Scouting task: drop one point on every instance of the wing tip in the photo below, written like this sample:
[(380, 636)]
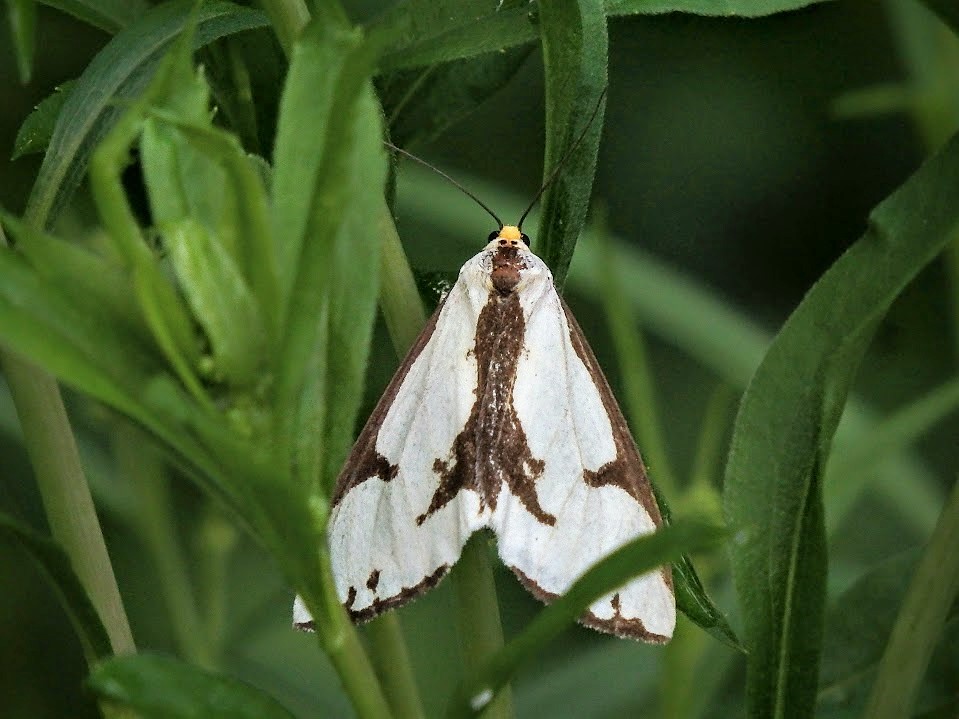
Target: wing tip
[(618, 625), (404, 596)]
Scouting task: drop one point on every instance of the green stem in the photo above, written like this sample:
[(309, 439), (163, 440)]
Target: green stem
[(709, 449), (919, 625), (140, 462), (66, 496), (342, 645), (288, 17), (399, 299), (67, 502), (391, 660), (478, 620), (216, 541)]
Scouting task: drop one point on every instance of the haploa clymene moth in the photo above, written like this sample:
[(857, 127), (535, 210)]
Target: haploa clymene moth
[(498, 418)]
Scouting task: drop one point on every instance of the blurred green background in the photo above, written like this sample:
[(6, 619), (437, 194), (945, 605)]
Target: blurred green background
[(723, 155)]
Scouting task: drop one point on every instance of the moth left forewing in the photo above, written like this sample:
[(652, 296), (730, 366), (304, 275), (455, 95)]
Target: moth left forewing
[(591, 487), (386, 544)]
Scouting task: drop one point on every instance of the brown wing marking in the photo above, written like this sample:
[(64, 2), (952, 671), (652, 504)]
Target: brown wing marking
[(364, 461)]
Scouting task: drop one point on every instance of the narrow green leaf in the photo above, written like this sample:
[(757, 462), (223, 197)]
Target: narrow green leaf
[(35, 132), (631, 560), (575, 49), (48, 327), (321, 258), (221, 300), (108, 15), (318, 62), (421, 104), (55, 564), (93, 284), (858, 624), (118, 73), (158, 687), (785, 427), (237, 215), (22, 18), (718, 8), (853, 464), (419, 33), (691, 597), (933, 589), (354, 288), (947, 11), (425, 32)]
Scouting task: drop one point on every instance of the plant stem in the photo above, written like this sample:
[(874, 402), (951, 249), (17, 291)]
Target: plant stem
[(399, 299), (478, 620), (66, 496), (288, 17), (140, 462), (391, 661), (342, 645), (931, 593)]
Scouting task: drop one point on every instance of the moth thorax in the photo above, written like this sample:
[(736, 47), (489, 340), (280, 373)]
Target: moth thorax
[(507, 264)]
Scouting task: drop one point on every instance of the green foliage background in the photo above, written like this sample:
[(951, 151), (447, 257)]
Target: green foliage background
[(743, 149)]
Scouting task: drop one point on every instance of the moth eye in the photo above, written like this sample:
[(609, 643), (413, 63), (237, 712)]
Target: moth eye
[(525, 238), (492, 235)]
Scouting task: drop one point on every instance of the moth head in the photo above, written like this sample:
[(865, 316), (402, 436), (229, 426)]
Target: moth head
[(510, 258), (507, 236)]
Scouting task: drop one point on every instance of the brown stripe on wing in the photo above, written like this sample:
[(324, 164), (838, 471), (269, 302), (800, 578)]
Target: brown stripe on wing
[(381, 605), (364, 461), (618, 625), (405, 595), (626, 471)]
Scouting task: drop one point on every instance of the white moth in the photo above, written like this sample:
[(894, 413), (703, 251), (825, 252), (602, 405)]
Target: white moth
[(498, 418)]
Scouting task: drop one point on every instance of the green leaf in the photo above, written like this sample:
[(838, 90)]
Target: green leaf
[(631, 560), (421, 104), (326, 201), (319, 61), (118, 73), (947, 11), (221, 300), (691, 597), (158, 687), (55, 565), (109, 15), (785, 427), (933, 591), (52, 329), (91, 282), (575, 49), (418, 33), (22, 18), (858, 625), (718, 8), (426, 32), (853, 464), (35, 132)]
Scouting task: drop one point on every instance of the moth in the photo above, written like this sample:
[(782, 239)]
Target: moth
[(499, 418)]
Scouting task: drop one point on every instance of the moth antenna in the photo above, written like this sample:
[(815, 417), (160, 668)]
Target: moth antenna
[(446, 177), (563, 159)]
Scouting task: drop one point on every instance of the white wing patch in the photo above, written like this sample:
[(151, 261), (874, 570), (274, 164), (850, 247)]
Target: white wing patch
[(499, 417)]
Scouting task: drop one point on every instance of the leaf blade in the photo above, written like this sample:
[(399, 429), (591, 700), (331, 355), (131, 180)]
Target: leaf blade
[(165, 688), (785, 425), (575, 49), (117, 74), (56, 566)]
